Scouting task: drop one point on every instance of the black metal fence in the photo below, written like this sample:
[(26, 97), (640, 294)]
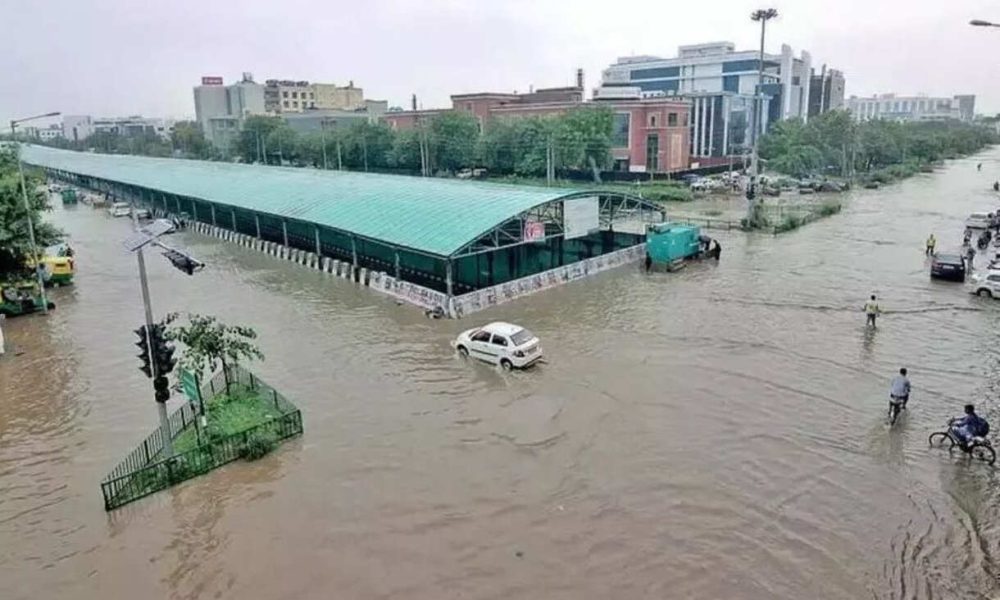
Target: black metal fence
[(143, 472)]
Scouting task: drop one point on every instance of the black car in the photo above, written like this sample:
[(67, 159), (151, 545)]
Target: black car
[(948, 266)]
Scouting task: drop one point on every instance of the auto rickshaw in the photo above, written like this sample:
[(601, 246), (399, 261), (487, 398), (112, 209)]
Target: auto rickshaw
[(59, 265), (20, 298)]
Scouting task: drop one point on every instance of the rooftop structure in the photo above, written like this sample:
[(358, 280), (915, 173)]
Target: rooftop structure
[(452, 236)]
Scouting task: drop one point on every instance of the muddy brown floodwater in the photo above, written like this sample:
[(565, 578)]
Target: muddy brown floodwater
[(712, 433)]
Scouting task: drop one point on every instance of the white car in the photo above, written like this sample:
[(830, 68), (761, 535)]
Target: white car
[(141, 213), (510, 346), (986, 284), (120, 209), (978, 221)]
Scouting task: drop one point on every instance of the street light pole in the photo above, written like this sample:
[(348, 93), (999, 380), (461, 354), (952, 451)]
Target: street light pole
[(981, 23), (322, 129), (762, 15), (35, 258)]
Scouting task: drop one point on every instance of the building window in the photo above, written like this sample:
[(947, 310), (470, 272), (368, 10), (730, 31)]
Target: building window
[(295, 94), (671, 119), (312, 105), (311, 96), (284, 94), (652, 120), (285, 103), (652, 152), (620, 130), (468, 106), (295, 103)]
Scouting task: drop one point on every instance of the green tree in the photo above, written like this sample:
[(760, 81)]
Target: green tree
[(583, 138), (188, 139), (366, 145), (251, 145), (405, 151), (452, 139), (210, 344), (15, 242), (282, 145)]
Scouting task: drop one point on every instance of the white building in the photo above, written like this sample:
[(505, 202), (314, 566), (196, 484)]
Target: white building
[(721, 83), (912, 108), (221, 109), (133, 126)]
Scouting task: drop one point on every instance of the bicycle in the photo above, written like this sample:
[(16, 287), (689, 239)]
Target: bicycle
[(980, 448), (895, 408)]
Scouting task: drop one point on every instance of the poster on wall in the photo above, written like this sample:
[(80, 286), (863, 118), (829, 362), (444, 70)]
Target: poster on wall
[(581, 216), (534, 231)]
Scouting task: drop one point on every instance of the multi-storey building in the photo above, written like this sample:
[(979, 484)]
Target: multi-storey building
[(221, 109), (286, 96), (721, 83), (649, 134), (826, 92), (133, 126), (912, 108)]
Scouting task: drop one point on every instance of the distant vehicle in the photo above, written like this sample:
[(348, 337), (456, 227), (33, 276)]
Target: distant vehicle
[(948, 266), (986, 284), (20, 299), (978, 221), (690, 178), (120, 209), (141, 213), (510, 346)]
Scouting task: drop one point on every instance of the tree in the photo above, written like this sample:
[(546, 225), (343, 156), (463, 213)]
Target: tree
[(189, 140), (583, 138), (15, 241), (405, 151), (366, 145), (251, 145), (452, 140), (282, 144), (209, 344)]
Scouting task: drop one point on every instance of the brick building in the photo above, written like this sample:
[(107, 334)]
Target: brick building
[(650, 135)]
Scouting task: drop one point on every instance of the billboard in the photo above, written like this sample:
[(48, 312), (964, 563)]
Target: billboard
[(581, 216), (211, 81), (534, 231)]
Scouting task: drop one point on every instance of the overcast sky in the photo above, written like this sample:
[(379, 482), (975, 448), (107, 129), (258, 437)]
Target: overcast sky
[(121, 57)]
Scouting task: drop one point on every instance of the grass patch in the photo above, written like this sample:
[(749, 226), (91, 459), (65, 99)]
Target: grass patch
[(227, 414), (828, 208)]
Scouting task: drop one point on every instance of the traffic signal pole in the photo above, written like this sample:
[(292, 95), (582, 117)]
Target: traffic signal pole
[(161, 407)]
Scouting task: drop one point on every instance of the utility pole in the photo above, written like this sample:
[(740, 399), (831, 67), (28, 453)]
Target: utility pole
[(549, 160), (161, 407), (762, 15), (35, 258), (364, 149), (340, 164), (322, 129)]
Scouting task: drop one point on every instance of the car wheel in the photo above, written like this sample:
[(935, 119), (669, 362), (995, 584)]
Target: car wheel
[(506, 364), (463, 351), (984, 292)]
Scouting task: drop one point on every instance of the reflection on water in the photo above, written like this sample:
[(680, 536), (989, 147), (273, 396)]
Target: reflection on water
[(713, 433)]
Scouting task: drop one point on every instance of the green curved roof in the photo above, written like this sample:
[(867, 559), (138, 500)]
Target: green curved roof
[(436, 216)]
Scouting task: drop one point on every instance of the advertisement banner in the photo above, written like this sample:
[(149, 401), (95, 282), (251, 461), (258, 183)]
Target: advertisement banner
[(581, 216), (534, 231), (211, 80)]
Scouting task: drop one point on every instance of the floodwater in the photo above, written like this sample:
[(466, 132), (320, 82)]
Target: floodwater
[(712, 433)]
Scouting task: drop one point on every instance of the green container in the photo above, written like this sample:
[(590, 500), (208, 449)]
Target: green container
[(69, 196), (667, 242)]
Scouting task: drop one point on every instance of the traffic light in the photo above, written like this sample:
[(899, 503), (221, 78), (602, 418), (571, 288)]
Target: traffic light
[(143, 345), (183, 262), (162, 387), (163, 351)]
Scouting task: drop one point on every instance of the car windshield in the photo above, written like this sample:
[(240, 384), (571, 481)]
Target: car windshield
[(978, 216), (521, 337), (948, 258)]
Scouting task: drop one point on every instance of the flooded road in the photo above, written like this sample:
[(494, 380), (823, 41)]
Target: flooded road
[(713, 433)]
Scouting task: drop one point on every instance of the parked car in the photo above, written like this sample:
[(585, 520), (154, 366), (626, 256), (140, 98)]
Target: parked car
[(948, 266), (986, 284), (978, 221), (142, 213), (504, 344), (120, 209)]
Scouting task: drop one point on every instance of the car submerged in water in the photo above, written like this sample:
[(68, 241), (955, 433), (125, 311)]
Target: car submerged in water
[(948, 265), (510, 346)]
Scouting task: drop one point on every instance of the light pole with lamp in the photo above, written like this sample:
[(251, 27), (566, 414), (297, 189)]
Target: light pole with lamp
[(981, 23), (35, 258), (762, 15)]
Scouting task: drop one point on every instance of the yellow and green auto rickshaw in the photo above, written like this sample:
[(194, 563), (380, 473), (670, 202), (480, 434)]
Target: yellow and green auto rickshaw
[(59, 265), (20, 298)]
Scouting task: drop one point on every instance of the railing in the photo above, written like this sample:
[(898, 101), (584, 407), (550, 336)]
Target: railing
[(142, 473)]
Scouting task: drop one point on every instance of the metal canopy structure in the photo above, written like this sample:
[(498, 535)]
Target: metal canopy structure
[(435, 232)]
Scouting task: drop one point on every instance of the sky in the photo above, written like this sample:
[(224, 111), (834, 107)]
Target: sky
[(127, 57)]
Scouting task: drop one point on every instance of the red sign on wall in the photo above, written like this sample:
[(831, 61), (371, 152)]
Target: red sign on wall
[(211, 81)]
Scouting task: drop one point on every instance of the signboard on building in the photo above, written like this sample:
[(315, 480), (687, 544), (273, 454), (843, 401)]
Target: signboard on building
[(211, 81), (581, 216), (534, 231)]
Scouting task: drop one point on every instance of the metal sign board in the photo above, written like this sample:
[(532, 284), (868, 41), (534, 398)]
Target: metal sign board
[(209, 80), (189, 384), (136, 240), (157, 227), (581, 216)]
